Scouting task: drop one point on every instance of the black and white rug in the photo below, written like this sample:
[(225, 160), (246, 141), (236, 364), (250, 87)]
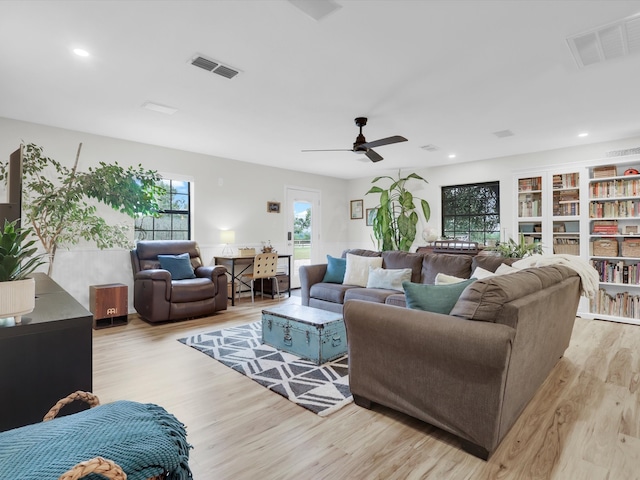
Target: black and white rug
[(323, 389)]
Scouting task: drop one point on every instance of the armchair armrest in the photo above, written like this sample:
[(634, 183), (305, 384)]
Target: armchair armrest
[(210, 271), (156, 275), (309, 276)]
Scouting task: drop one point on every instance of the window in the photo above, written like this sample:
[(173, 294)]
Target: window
[(472, 212), (174, 220)]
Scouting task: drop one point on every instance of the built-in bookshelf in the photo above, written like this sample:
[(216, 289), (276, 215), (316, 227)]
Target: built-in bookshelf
[(565, 205), (614, 240), (530, 205)]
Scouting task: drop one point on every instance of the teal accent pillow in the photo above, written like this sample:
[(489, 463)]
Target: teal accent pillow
[(179, 266), (434, 298), (336, 267)]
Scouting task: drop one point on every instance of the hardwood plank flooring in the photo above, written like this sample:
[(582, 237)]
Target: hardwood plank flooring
[(583, 423)]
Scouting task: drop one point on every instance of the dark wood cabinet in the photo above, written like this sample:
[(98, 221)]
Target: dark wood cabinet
[(109, 304), (45, 358)]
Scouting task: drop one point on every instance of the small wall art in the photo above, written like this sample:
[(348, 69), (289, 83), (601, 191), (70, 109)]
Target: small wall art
[(273, 207), (371, 214), (357, 209)]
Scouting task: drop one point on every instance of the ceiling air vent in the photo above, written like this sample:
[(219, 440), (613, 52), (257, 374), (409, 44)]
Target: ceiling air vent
[(214, 66), (606, 42)]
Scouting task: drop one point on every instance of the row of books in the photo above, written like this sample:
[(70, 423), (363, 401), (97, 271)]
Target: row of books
[(615, 209), (566, 180), (620, 304), (615, 188), (528, 184), (530, 209), (617, 271), (606, 227), (566, 209)]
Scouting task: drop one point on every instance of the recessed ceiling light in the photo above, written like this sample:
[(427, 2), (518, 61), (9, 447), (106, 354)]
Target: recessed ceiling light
[(583, 134), (452, 155), (80, 52)]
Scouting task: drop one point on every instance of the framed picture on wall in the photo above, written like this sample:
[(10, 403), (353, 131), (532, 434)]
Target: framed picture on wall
[(273, 207), (371, 214), (356, 209)]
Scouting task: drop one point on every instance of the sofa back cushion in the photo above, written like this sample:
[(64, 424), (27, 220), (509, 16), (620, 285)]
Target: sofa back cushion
[(147, 251), (490, 262), (357, 271), (396, 259), (434, 263), (485, 299), (388, 278)]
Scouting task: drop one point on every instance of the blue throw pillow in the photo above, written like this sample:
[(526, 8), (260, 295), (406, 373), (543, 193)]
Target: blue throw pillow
[(336, 268), (179, 266), (434, 298)]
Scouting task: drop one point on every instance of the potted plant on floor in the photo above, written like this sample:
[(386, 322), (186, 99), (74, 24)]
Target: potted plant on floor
[(396, 218), (18, 260)]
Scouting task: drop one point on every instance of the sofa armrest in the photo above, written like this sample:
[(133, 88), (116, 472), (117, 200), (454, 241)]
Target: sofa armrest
[(309, 276), (211, 271), (447, 371)]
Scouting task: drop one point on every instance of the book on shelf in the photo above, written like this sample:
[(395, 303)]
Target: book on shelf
[(604, 171)]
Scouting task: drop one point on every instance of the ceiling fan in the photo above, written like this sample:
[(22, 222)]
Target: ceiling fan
[(362, 146)]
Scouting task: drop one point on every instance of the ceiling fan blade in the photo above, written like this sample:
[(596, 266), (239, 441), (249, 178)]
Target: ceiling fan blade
[(384, 141), (373, 156), (330, 150)]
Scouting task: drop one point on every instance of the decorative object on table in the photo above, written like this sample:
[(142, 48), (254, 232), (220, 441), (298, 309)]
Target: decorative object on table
[(604, 171), (430, 234), (267, 247), (322, 389), (59, 202), (227, 237), (247, 252), (371, 215), (520, 249), (273, 207), (631, 171), (396, 220), (18, 259), (356, 209)]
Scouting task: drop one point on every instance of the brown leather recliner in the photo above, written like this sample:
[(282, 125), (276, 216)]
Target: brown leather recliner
[(158, 298)]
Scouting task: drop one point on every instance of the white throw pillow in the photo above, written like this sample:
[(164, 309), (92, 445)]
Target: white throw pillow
[(357, 272), (444, 279), (389, 279), (481, 273), (505, 269)]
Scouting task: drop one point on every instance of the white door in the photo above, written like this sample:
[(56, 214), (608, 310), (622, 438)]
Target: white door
[(303, 229)]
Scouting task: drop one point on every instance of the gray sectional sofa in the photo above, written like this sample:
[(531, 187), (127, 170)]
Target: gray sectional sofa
[(470, 372)]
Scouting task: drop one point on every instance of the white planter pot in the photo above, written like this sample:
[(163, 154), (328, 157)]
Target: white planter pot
[(17, 298)]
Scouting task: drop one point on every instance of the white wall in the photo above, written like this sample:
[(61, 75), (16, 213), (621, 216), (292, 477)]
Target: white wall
[(227, 194), (501, 169)]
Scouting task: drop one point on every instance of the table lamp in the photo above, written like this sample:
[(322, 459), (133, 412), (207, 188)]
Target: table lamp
[(227, 237)]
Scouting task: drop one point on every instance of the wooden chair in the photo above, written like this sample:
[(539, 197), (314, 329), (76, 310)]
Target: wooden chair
[(265, 265)]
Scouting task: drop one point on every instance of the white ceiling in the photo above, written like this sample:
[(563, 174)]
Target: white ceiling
[(447, 73)]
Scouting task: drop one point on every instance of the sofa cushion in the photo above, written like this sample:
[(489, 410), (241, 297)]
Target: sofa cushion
[(444, 279), (388, 278), (434, 263), (329, 292), (336, 268), (490, 262), (361, 252), (192, 290), (377, 295), (179, 266), (480, 273), (357, 272), (394, 259), (485, 299), (434, 298)]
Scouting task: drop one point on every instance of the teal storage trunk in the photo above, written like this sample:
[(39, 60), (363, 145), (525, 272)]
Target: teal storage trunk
[(313, 334)]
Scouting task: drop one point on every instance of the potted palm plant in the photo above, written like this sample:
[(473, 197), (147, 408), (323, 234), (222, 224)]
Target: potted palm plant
[(18, 259)]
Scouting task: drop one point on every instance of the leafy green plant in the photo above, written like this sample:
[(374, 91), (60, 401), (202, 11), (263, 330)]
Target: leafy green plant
[(18, 257), (396, 218), (60, 203), (520, 249)]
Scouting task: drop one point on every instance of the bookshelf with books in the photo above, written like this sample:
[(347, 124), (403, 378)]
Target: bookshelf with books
[(530, 205), (614, 239), (565, 211)]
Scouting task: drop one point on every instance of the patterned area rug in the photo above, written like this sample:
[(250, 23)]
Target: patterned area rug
[(323, 389)]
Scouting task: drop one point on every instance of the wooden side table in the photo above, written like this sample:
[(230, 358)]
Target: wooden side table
[(109, 304)]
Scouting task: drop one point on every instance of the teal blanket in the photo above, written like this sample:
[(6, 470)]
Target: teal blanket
[(144, 439)]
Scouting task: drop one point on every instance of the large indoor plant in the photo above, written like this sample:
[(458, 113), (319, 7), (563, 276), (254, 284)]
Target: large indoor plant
[(396, 219), (18, 260), (60, 203)]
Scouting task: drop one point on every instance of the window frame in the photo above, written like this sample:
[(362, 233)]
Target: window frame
[(151, 233), (491, 236)]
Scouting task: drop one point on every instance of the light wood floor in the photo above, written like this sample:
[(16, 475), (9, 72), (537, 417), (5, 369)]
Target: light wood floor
[(584, 422)]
